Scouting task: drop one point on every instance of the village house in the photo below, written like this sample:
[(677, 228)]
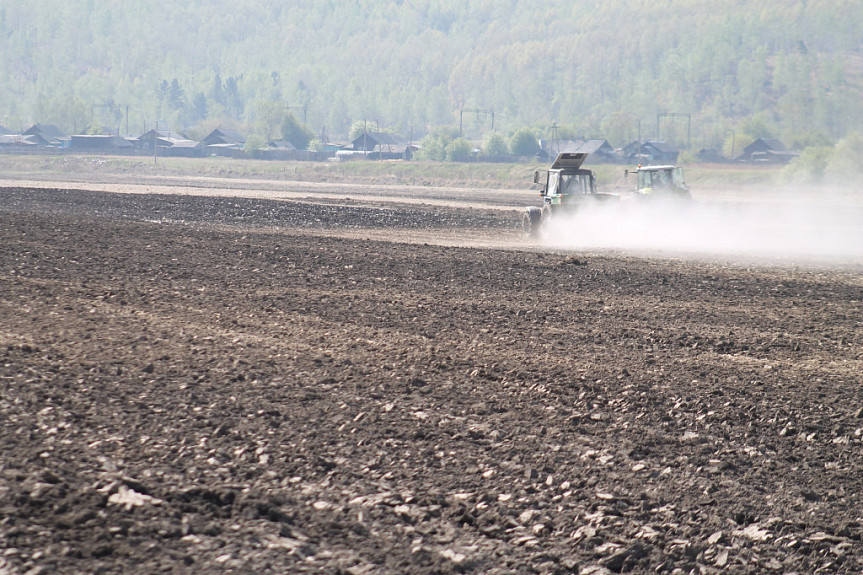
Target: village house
[(170, 144), (103, 144), (383, 145), (650, 152), (224, 142), (51, 134), (767, 150), (17, 143)]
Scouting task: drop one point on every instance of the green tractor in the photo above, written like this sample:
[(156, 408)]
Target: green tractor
[(660, 182), (566, 186)]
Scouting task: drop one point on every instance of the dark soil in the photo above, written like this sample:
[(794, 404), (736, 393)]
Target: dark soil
[(224, 385)]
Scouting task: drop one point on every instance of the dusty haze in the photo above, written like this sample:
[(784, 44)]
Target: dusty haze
[(776, 224)]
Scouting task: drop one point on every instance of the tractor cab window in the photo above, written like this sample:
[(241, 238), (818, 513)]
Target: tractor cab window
[(553, 183), (643, 180), (574, 184), (660, 178)]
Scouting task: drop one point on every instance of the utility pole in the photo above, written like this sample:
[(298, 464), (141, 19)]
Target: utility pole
[(555, 140), (477, 114), (111, 109), (676, 115), (305, 109)]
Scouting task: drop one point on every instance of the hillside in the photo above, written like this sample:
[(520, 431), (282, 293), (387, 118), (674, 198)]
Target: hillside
[(598, 69)]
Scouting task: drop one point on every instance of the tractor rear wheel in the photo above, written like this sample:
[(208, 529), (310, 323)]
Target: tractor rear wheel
[(531, 221)]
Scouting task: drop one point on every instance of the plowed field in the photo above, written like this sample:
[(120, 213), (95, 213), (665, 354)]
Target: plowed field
[(234, 384)]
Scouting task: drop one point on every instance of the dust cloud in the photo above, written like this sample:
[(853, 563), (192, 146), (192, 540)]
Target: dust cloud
[(784, 226)]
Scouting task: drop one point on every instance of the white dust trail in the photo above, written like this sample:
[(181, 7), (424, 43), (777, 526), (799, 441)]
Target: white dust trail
[(784, 227)]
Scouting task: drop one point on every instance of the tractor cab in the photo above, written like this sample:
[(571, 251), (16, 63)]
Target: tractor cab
[(565, 178), (660, 181)]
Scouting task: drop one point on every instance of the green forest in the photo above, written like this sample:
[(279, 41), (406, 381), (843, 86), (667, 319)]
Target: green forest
[(714, 70)]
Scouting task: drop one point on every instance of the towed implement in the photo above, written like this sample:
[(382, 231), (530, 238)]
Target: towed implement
[(566, 187)]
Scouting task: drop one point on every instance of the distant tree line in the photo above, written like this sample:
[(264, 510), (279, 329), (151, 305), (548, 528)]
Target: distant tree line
[(598, 70)]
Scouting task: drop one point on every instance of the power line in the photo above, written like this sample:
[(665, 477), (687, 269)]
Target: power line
[(477, 113), (305, 109), (688, 117)]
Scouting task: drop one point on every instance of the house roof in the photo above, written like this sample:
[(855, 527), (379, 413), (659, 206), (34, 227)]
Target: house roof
[(554, 147), (593, 146), (224, 136), (391, 148), (771, 144), (5, 131), (383, 139), (660, 146), (19, 140), (281, 145), (48, 131), (102, 141), (180, 142), (163, 134)]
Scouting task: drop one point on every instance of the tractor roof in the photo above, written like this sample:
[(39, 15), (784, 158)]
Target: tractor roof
[(569, 160), (654, 168)]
